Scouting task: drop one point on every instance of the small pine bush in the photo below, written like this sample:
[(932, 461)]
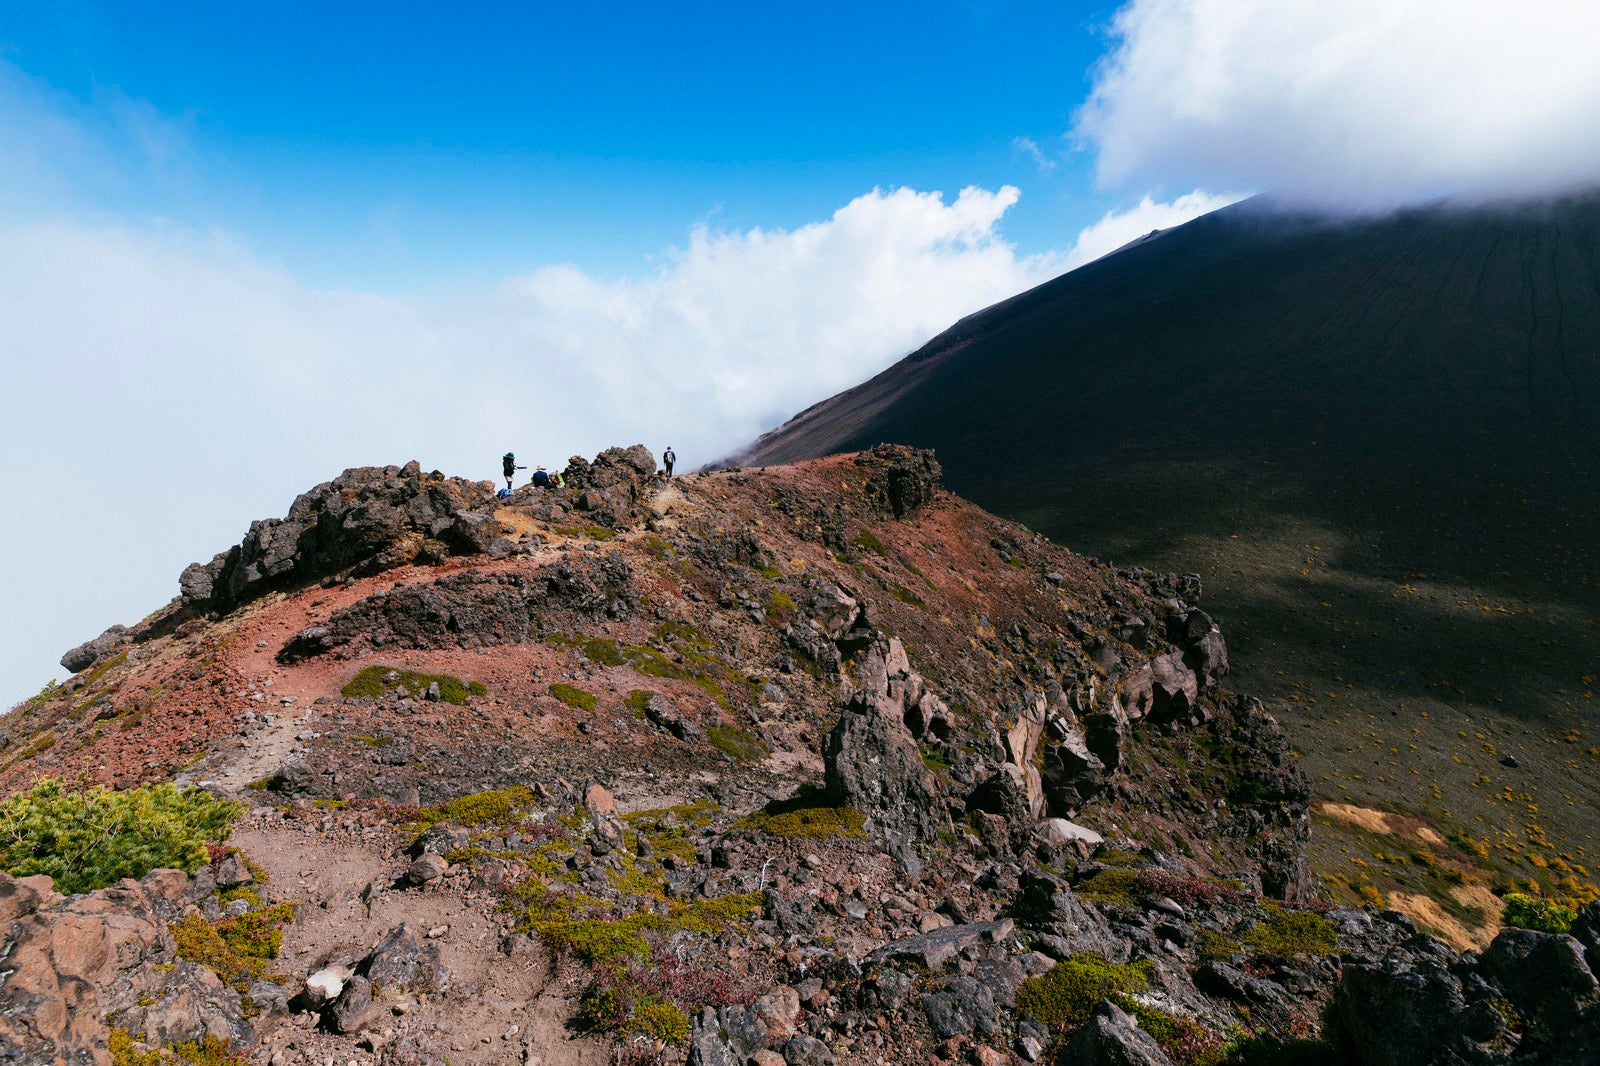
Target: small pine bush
[(86, 839), (1527, 912)]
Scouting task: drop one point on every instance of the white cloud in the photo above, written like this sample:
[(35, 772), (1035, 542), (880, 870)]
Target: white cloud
[(1030, 148), (1359, 101), (166, 386), (1117, 228)]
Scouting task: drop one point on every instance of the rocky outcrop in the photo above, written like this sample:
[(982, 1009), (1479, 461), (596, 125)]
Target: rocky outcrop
[(70, 964), (93, 651), (901, 481), (369, 517), (872, 760), (612, 489), (474, 609)]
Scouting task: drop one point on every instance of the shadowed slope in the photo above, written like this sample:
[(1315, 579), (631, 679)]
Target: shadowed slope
[(1379, 441)]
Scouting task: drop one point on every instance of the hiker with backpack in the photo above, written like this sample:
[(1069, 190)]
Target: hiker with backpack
[(669, 457), (509, 467), (541, 478)]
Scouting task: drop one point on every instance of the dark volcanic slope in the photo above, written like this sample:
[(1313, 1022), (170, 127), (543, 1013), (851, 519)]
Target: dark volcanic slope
[(1379, 441)]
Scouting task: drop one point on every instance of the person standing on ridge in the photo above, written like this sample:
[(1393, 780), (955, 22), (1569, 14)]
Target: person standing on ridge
[(669, 457), (509, 467)]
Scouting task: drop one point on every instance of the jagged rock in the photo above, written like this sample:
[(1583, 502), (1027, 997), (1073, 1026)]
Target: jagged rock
[(1059, 831), (325, 985), (873, 764), (706, 1044), (1413, 1008), (1174, 687), (231, 871), (933, 949), (802, 1050), (777, 1011), (69, 963), (475, 609), (353, 1010), (357, 519), (663, 713), (1045, 903), (613, 487), (93, 651), (833, 610), (901, 481), (1113, 1038), (403, 961), (1544, 974)]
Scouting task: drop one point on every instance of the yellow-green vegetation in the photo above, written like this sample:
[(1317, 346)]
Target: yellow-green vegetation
[(592, 532), (236, 948), (935, 759), (582, 925), (87, 838), (779, 605), (807, 814), (1527, 912), (699, 666), (501, 807), (378, 680), (1217, 945), (1115, 885), (737, 743), (1286, 932), (638, 701), (212, 1051), (573, 696), (667, 830), (1066, 996)]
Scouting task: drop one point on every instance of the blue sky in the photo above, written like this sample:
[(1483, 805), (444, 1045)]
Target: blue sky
[(389, 145), (246, 246)]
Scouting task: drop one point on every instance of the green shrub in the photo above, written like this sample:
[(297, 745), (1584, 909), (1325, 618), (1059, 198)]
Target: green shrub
[(377, 680), (638, 701), (1529, 912), (866, 539), (89, 838), (573, 696), (1284, 932), (238, 948)]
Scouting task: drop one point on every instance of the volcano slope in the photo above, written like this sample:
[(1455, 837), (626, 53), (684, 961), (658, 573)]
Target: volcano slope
[(812, 764), (1379, 443)]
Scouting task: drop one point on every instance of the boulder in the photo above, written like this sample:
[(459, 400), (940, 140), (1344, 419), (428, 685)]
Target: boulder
[(93, 651), (901, 481), (1113, 1038), (873, 764), (403, 961)]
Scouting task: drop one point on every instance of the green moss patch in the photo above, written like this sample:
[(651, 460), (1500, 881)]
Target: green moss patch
[(237, 948), (380, 680), (573, 696), (1286, 932), (1066, 996), (807, 814)]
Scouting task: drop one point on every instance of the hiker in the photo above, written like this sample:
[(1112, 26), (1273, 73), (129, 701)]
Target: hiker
[(669, 457), (541, 478), (557, 481), (509, 467)]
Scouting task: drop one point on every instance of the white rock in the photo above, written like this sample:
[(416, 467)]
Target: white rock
[(325, 985), (1061, 831)]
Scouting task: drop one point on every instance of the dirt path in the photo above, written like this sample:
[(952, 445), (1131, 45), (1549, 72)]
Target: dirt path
[(493, 1009)]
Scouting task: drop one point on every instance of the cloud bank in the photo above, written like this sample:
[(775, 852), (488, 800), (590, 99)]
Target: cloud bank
[(1360, 102), (167, 386)]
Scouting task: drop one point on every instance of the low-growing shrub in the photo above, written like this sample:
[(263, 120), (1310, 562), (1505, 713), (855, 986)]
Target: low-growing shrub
[(573, 696), (1528, 912), (378, 680), (89, 838), (237, 948)]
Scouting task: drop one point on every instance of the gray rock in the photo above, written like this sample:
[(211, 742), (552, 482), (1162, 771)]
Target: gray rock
[(353, 1010), (961, 1006), (802, 1050), (1113, 1038), (403, 961), (93, 651)]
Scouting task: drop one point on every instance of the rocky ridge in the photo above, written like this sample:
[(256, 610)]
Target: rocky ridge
[(801, 765)]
